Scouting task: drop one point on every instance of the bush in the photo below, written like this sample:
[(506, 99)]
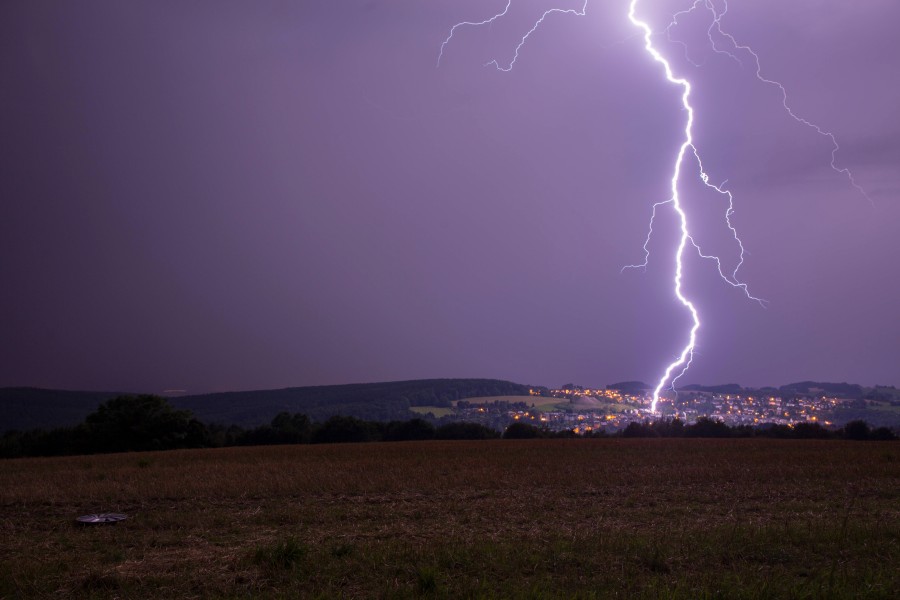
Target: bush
[(341, 429), (856, 430), (415, 429), (882, 434), (708, 428)]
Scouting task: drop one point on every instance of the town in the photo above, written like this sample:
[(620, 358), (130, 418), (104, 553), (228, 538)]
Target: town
[(610, 410)]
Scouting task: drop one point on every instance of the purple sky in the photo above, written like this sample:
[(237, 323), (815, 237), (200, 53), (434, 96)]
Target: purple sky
[(220, 195)]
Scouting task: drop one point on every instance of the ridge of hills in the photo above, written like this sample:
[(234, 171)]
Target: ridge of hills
[(26, 408)]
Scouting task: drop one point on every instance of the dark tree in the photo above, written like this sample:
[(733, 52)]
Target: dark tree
[(38, 442), (522, 431), (568, 434), (639, 430), (198, 435), (708, 428), (882, 434), (669, 427), (134, 423), (856, 430), (292, 429), (808, 431)]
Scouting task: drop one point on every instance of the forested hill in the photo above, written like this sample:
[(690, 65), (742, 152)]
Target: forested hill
[(24, 408), (373, 401), (33, 408)]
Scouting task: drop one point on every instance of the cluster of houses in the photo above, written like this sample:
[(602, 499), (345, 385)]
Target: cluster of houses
[(608, 410)]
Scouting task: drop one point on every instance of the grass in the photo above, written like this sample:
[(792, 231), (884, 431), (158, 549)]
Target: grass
[(528, 400), (280, 555), (494, 519), (540, 403)]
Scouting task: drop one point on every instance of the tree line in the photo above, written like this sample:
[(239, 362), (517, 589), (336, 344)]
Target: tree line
[(142, 423), (711, 428), (146, 422)]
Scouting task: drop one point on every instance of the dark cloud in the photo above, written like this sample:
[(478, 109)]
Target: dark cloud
[(219, 195)]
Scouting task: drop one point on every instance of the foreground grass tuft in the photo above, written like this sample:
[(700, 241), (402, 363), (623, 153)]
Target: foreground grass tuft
[(426, 580), (98, 581), (281, 555)]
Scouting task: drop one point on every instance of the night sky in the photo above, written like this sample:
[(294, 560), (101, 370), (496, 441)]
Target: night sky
[(226, 195)]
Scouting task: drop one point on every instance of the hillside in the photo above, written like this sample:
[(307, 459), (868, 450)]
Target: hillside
[(33, 408), (25, 408), (374, 401)]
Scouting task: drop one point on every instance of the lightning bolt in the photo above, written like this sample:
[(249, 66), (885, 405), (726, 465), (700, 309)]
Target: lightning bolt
[(683, 362), (470, 23), (678, 367)]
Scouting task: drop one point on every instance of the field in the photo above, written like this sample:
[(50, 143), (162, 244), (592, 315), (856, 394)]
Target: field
[(613, 518), (540, 403), (437, 411), (543, 404)]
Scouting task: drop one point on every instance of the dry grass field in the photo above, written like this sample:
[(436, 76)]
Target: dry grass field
[(507, 519)]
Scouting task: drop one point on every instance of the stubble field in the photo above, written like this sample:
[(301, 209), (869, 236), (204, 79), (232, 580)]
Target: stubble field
[(512, 519)]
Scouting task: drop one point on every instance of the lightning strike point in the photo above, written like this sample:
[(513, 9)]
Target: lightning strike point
[(683, 362)]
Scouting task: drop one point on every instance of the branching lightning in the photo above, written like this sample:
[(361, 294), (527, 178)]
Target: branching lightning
[(682, 363), (716, 26), (571, 11), (522, 41), (472, 23), (709, 31)]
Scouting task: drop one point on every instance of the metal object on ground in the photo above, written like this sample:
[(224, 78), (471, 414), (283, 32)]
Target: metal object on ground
[(101, 518)]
